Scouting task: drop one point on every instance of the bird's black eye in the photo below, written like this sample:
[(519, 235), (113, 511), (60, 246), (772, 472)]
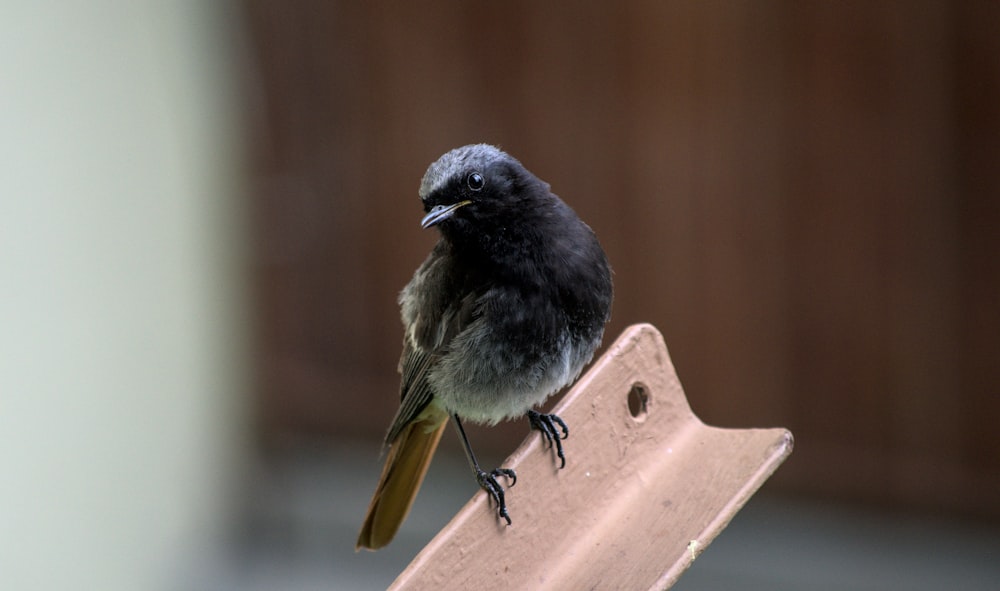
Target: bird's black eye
[(476, 181)]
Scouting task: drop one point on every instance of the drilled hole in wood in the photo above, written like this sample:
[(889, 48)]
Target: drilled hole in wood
[(638, 402)]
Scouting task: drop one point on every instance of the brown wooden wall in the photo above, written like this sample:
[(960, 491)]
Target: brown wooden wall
[(803, 197)]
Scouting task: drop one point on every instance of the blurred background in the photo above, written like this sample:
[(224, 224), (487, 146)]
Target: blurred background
[(208, 208)]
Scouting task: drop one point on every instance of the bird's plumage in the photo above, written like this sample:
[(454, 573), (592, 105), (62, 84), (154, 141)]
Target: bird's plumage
[(505, 311)]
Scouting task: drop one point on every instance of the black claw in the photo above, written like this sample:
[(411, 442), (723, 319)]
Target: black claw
[(488, 482), (510, 474), (547, 425)]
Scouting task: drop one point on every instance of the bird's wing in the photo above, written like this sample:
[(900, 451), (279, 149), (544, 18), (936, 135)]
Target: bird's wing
[(420, 357), (414, 389)]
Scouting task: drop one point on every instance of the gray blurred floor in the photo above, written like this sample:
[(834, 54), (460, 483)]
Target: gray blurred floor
[(306, 508)]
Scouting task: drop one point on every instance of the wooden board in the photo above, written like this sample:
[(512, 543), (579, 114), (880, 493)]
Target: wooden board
[(647, 486)]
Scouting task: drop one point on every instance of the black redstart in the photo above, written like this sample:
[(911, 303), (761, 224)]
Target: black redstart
[(507, 309)]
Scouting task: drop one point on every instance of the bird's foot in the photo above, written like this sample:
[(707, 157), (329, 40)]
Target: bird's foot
[(547, 424), (488, 482)]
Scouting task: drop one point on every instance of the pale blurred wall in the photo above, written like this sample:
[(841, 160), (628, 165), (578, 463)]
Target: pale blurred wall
[(123, 333)]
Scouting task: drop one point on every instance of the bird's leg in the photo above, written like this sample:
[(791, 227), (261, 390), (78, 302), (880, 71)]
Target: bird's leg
[(487, 480), (547, 425)]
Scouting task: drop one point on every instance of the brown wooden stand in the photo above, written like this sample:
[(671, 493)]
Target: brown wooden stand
[(646, 487)]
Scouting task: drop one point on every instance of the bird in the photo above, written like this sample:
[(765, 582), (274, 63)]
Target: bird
[(506, 310)]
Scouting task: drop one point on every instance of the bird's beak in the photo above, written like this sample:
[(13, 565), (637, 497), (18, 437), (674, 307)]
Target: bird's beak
[(439, 213)]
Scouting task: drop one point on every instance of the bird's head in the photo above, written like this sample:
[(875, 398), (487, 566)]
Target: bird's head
[(477, 188)]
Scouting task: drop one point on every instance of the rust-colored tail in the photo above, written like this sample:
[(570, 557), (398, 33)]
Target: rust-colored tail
[(409, 456)]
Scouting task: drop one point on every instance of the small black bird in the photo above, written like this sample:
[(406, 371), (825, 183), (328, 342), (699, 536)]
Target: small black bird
[(507, 309)]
